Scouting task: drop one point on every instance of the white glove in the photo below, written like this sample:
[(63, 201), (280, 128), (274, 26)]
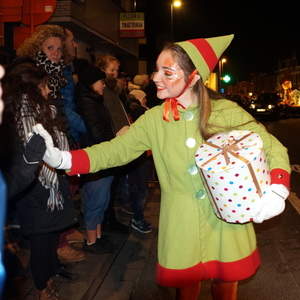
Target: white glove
[(271, 204), (53, 156)]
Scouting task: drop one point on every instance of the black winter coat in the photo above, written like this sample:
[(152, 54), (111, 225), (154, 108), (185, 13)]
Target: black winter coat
[(97, 121), (138, 168), (115, 108), (31, 199)]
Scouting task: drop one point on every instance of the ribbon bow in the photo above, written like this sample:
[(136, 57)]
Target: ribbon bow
[(231, 147), (173, 102)]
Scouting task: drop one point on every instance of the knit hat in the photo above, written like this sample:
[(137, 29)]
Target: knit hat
[(132, 86), (205, 53), (87, 72), (138, 94), (140, 79)]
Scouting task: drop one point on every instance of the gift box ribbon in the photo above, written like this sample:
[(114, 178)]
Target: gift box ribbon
[(230, 147)]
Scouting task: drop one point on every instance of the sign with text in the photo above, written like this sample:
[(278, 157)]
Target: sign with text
[(132, 25)]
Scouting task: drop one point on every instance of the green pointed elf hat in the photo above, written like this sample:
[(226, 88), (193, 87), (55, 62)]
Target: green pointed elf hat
[(205, 53)]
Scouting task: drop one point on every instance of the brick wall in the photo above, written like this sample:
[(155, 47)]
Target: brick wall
[(101, 16), (63, 9)]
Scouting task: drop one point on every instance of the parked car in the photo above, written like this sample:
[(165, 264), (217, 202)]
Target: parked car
[(269, 105), (241, 101)]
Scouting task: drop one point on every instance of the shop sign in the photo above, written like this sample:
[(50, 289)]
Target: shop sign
[(132, 25)]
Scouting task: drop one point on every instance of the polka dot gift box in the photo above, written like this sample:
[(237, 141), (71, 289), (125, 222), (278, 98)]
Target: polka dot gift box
[(234, 167)]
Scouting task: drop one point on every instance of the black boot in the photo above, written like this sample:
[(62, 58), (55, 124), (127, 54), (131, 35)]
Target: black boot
[(110, 224)]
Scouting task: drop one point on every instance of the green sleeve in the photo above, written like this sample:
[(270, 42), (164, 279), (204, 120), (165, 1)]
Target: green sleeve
[(122, 149)]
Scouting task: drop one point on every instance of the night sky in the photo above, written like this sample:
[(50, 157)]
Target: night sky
[(264, 30)]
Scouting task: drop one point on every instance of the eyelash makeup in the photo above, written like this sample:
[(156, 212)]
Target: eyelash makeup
[(174, 73)]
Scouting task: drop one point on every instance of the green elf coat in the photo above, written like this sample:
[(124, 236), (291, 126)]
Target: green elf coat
[(193, 243)]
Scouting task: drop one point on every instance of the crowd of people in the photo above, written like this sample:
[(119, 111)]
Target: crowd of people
[(80, 104), (66, 116)]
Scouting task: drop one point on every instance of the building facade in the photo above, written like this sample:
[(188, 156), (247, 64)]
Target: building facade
[(288, 69), (95, 24)]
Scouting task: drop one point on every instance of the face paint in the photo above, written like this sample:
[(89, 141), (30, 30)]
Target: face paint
[(169, 77), (173, 72)]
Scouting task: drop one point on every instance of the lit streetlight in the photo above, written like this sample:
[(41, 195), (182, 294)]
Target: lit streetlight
[(221, 67), (176, 4)]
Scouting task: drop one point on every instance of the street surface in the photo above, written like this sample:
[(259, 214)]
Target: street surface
[(129, 274)]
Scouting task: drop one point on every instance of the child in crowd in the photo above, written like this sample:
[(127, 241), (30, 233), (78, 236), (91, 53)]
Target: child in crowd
[(43, 206)]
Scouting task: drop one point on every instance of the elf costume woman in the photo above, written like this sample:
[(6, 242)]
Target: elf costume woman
[(193, 245)]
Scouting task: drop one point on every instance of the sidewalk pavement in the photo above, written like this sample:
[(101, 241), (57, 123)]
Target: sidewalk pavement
[(129, 274), (110, 276)]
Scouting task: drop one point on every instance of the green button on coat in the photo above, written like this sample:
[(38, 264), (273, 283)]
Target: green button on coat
[(200, 194), (193, 170), (188, 116)]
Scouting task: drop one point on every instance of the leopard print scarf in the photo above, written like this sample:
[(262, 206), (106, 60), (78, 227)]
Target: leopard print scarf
[(57, 79)]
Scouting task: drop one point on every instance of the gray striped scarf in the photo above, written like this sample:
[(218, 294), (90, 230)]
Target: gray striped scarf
[(47, 175)]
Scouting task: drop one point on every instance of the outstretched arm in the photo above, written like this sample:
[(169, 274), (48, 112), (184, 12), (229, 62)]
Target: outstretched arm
[(116, 152)]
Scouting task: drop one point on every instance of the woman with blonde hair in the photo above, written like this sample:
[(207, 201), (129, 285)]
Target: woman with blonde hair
[(46, 47), (32, 46), (110, 65)]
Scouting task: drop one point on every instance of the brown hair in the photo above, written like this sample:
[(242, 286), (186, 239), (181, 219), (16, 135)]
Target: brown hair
[(25, 79), (103, 60), (33, 44)]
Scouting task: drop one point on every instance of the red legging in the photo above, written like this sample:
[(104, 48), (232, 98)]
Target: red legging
[(188, 293), (220, 290)]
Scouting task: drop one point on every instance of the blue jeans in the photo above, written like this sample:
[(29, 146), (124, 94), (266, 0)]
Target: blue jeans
[(97, 195), (126, 191), (135, 186), (139, 198), (134, 196)]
